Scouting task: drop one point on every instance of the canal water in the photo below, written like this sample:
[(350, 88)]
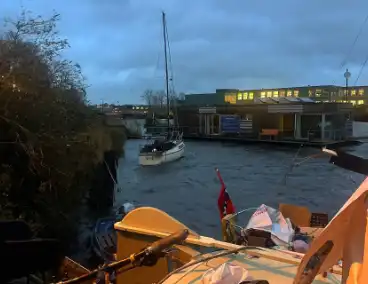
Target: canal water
[(188, 189)]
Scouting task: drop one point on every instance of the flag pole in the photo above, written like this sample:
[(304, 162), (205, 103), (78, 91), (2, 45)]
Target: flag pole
[(220, 178)]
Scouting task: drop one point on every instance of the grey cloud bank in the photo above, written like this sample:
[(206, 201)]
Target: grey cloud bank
[(214, 43)]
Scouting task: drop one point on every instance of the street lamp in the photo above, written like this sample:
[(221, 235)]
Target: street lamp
[(347, 75)]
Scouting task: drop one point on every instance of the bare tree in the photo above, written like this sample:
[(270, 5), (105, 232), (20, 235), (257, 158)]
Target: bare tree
[(30, 56), (147, 97), (160, 97)]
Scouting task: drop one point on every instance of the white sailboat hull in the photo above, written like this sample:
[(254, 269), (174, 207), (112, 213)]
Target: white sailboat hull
[(158, 158)]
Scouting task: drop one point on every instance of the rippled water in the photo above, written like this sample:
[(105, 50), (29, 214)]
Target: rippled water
[(188, 189)]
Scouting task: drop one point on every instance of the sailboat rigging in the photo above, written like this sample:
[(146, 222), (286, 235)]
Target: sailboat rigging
[(172, 147), (164, 30)]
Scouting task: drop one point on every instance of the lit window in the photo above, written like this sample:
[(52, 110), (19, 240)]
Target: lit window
[(240, 96), (282, 93), (289, 93), (296, 93), (353, 103), (269, 94), (251, 96), (275, 94), (353, 92), (339, 101), (360, 102), (133, 107), (361, 92), (310, 93), (245, 96), (230, 99), (345, 92), (263, 94)]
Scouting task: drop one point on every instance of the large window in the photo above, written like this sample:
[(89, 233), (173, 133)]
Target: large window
[(296, 93), (263, 94), (240, 96), (289, 93), (251, 96), (269, 94), (353, 92), (275, 94), (361, 92), (230, 98), (360, 102), (245, 96), (282, 93)]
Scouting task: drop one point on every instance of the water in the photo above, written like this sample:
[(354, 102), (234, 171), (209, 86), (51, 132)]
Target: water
[(188, 189)]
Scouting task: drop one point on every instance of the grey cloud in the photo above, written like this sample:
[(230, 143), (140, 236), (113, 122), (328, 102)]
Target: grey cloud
[(214, 43)]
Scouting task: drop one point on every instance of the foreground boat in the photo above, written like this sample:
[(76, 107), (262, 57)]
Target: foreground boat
[(344, 238), (172, 147), (291, 227)]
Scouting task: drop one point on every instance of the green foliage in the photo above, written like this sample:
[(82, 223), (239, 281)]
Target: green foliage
[(51, 142)]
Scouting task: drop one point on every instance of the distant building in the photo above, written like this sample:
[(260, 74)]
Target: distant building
[(357, 95)]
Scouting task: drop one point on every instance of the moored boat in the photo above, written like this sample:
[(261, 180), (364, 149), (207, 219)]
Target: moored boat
[(172, 147), (162, 151), (104, 236)]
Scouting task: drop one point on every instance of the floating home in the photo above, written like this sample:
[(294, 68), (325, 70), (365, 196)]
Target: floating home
[(285, 120)]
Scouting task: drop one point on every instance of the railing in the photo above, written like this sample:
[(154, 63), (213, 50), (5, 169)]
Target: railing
[(329, 134)]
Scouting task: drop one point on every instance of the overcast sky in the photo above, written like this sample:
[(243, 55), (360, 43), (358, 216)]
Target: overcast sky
[(214, 43)]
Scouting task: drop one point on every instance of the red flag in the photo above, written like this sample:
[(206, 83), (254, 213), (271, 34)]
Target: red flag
[(224, 203)]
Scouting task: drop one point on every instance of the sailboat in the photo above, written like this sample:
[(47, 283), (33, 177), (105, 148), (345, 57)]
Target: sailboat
[(158, 151)]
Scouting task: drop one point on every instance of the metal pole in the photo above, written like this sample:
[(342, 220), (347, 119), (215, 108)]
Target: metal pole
[(347, 87), (347, 75), (166, 74)]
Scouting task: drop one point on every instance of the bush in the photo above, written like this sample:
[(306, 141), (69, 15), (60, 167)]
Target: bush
[(51, 141)]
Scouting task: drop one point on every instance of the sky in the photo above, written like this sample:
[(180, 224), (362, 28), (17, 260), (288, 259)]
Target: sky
[(214, 44)]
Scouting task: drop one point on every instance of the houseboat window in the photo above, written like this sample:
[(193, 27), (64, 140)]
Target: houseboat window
[(360, 102), (275, 94), (245, 96), (263, 94), (296, 93), (240, 96), (282, 93), (353, 92), (289, 93), (269, 94), (361, 92), (251, 96)]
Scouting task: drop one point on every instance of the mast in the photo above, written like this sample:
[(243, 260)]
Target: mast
[(166, 73)]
